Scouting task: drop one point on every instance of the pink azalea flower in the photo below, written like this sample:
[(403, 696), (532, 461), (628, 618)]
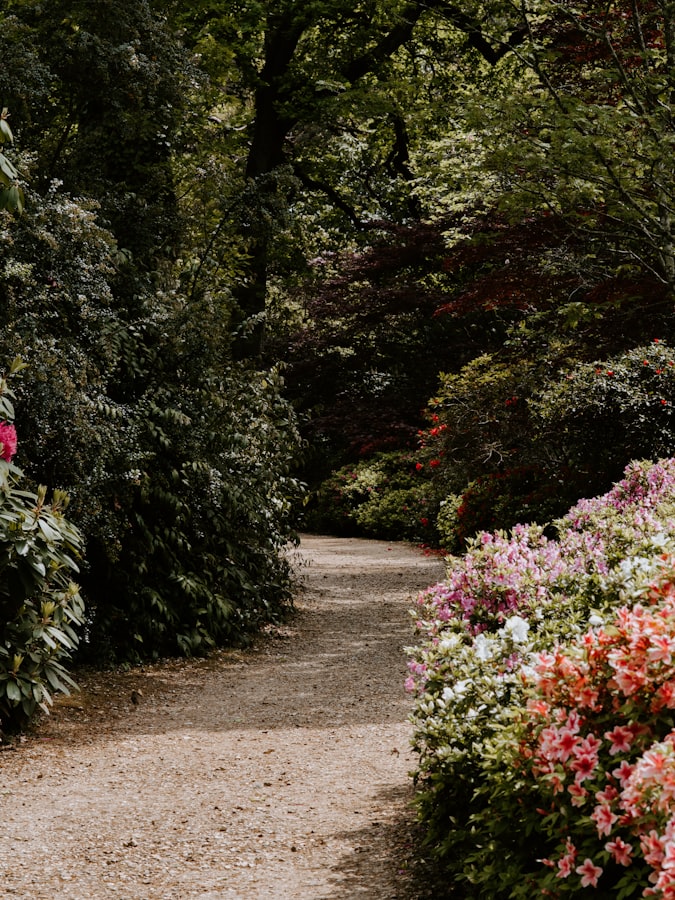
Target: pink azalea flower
[(565, 866), (661, 649), (585, 758), (621, 738), (609, 794), (628, 680), (653, 765), (604, 818), (652, 848), (669, 856), (8, 441), (589, 873), (578, 794), (665, 696), (620, 850), (566, 862), (623, 772)]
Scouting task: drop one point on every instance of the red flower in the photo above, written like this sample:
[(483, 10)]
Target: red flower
[(419, 466), (7, 441), (434, 463)]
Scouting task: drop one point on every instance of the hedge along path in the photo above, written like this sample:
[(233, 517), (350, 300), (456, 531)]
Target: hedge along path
[(276, 772)]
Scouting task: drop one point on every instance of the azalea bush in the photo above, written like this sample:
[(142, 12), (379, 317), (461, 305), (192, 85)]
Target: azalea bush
[(41, 610), (596, 750), (543, 680)]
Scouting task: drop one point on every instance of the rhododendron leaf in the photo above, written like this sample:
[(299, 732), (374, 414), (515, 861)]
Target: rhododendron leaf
[(6, 135), (7, 169), (13, 691), (49, 531)]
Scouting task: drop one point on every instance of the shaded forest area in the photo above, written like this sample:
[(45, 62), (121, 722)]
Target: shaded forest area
[(398, 269)]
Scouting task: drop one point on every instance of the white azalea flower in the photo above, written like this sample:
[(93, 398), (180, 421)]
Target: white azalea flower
[(461, 687), (483, 647), (518, 629), (449, 642)]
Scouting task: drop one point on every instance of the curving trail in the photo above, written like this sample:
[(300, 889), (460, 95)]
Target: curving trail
[(277, 772)]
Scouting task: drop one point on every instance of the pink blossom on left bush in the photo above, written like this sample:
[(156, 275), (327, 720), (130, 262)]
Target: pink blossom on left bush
[(8, 441)]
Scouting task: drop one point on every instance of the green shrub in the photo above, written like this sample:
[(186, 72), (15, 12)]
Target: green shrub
[(500, 500), (382, 497), (209, 512), (177, 462), (605, 413)]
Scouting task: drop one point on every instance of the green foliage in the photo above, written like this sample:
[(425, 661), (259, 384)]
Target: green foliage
[(177, 461), (11, 192), (383, 497), (522, 440), (201, 562), (108, 124), (608, 411), (499, 500), (41, 610)]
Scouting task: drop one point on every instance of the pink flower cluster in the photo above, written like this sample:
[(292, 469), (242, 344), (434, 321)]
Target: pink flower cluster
[(641, 486), (503, 575), (603, 742), (8, 441), (496, 578)]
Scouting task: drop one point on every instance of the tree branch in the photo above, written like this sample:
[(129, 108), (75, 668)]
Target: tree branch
[(334, 196)]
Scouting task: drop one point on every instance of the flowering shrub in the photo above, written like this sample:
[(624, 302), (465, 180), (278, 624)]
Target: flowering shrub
[(40, 606), (568, 631), (597, 738)]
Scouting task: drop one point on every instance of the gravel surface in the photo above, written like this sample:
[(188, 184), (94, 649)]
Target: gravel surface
[(276, 772)]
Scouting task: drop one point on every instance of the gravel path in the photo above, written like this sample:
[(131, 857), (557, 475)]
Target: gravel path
[(277, 772)]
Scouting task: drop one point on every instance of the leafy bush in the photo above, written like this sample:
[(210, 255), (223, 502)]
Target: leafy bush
[(524, 622), (499, 499), (40, 606), (606, 412), (209, 512), (521, 443), (384, 497), (177, 462)]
